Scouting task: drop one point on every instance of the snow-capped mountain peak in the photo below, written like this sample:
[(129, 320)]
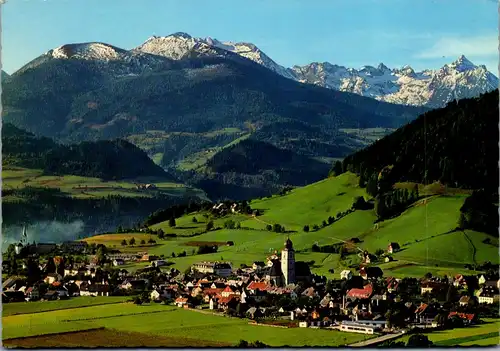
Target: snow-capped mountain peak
[(462, 64), (382, 67), (175, 46), (432, 88), (111, 59), (181, 35), (179, 45), (88, 51)]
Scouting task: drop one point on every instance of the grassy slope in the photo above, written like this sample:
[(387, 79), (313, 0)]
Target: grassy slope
[(422, 231), (198, 160), (483, 334), (15, 308), (311, 204), (115, 241), (108, 337), (14, 177), (168, 321)]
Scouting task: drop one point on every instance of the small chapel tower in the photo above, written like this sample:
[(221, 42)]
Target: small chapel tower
[(288, 262)]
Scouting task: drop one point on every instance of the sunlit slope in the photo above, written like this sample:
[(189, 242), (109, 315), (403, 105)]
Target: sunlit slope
[(426, 232)]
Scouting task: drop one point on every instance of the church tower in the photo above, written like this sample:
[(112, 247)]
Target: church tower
[(288, 262)]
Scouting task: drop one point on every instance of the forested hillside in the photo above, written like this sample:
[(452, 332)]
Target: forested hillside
[(82, 101), (254, 157), (117, 159), (456, 145)]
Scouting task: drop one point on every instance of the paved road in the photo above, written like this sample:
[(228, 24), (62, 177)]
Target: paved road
[(378, 340)]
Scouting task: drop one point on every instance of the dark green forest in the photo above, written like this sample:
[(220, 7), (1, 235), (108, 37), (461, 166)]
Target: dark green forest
[(99, 214), (254, 157), (107, 160), (81, 101), (456, 145), (252, 168)]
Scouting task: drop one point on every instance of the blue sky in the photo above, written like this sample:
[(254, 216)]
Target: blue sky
[(421, 33)]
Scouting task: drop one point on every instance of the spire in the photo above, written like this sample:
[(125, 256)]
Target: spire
[(24, 236)]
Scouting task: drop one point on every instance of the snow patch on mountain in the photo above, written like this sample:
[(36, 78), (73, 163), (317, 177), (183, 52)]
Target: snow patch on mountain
[(177, 46), (431, 88), (89, 51), (252, 52), (181, 45), (114, 61)]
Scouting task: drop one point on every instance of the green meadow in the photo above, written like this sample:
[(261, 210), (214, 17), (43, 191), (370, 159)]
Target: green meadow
[(15, 308), (425, 232), (481, 335), (160, 320), (86, 187)]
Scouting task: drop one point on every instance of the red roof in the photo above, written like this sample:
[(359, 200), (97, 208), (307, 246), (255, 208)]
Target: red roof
[(421, 308), (228, 289), (258, 286), (433, 285), (468, 316), (226, 300), (364, 293), (392, 284), (211, 291), (181, 299)]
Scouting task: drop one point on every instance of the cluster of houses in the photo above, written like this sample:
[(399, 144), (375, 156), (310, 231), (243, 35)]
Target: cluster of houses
[(352, 303), (280, 288), (145, 186), (223, 209), (124, 258), (368, 258), (74, 247)]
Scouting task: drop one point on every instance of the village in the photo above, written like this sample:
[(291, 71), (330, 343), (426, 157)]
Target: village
[(277, 291)]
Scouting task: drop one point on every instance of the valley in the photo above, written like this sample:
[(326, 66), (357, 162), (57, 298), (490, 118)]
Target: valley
[(424, 232), (184, 191)]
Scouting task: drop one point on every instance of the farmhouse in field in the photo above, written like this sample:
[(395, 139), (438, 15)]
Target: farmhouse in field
[(146, 186), (393, 247)]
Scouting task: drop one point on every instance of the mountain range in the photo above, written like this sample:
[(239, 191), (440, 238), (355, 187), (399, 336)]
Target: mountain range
[(431, 88), (186, 101), (182, 110)]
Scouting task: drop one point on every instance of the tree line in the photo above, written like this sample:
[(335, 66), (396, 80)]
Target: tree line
[(456, 145), (104, 159)]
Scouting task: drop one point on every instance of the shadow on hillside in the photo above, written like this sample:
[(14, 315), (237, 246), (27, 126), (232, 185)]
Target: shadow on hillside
[(192, 227), (432, 237), (404, 209)]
